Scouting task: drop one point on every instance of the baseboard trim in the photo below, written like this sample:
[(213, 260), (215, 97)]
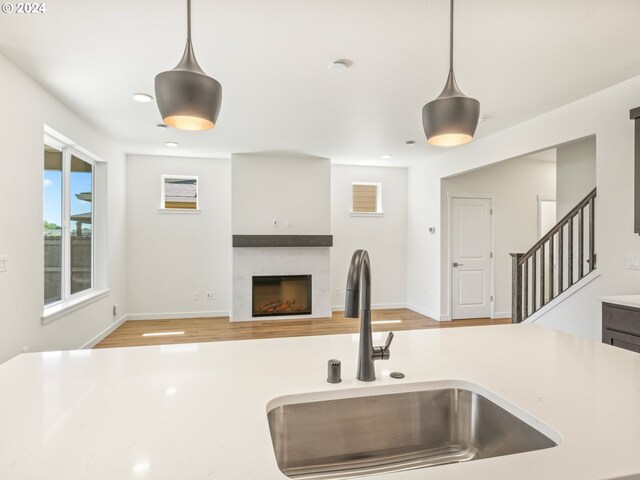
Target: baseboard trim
[(429, 313), (103, 334), (497, 315), (177, 315), (576, 287), (375, 306)]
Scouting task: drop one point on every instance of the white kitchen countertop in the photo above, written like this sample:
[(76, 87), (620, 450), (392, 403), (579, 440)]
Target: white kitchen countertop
[(625, 300), (198, 411)]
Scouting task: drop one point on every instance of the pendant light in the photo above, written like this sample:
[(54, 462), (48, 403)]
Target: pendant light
[(452, 118), (187, 98)]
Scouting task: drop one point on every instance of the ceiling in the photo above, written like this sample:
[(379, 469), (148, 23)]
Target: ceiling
[(519, 58)]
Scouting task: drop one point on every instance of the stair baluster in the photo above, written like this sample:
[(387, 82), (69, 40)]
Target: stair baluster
[(543, 278)]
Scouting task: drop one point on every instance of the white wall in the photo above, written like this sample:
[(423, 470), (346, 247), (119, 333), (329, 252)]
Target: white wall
[(287, 187), (576, 173), (384, 237), (514, 186), (423, 248), (173, 255), (575, 313), (604, 114), (26, 109), (163, 276)]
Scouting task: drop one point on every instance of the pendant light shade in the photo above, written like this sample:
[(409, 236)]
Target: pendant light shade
[(187, 98), (452, 118)]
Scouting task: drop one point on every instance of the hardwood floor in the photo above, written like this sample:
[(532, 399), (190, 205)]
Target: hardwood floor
[(194, 330)]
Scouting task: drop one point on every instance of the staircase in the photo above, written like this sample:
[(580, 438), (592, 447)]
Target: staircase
[(556, 262)]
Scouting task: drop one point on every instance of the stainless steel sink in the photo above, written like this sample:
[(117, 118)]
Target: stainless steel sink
[(348, 437)]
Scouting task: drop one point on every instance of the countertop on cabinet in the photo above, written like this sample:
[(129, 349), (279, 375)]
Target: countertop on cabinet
[(624, 300), (198, 411)]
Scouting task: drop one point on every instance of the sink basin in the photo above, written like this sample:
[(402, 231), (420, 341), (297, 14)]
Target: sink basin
[(364, 435)]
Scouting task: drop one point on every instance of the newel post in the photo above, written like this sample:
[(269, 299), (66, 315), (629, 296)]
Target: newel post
[(516, 287)]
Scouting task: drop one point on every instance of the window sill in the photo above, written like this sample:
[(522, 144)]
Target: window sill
[(60, 309), (366, 214), (179, 211)]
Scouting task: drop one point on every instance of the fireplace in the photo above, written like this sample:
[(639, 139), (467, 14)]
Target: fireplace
[(281, 295)]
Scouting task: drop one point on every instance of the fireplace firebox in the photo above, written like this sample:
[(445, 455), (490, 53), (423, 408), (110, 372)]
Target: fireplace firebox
[(281, 295)]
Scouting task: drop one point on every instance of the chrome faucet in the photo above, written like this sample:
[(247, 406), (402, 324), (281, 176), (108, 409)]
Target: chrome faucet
[(360, 268)]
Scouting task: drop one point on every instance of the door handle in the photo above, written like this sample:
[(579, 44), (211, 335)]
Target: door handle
[(456, 264)]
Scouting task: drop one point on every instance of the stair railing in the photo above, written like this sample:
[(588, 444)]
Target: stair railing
[(555, 262)]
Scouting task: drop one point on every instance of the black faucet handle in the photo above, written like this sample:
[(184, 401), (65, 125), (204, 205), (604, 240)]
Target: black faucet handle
[(389, 340), (384, 352)]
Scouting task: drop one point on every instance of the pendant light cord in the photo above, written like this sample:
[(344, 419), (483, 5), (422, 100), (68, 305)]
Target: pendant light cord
[(189, 20), (450, 38)]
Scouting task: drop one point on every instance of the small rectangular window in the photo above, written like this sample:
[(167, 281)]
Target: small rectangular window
[(366, 198), (179, 192)]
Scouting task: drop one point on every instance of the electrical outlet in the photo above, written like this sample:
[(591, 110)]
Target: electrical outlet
[(276, 222), (289, 223), (209, 295), (633, 262), (3, 263), (337, 292), (196, 295)]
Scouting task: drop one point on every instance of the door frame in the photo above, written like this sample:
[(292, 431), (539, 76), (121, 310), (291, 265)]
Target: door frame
[(481, 196), (544, 198)]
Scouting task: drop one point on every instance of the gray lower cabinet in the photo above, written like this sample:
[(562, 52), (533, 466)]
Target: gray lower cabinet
[(621, 326)]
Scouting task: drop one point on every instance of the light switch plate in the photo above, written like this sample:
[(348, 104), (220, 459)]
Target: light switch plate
[(3, 263)]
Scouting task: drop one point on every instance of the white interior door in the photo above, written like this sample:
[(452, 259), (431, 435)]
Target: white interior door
[(546, 221), (546, 215), (471, 258)]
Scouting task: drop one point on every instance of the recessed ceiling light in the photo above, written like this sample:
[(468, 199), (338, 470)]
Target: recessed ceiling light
[(171, 144), (483, 118), (339, 65), (410, 143), (387, 156), (142, 97)]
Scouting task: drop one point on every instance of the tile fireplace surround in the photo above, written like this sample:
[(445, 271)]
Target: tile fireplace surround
[(282, 260)]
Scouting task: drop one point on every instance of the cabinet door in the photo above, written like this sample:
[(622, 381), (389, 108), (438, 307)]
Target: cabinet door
[(621, 319), (622, 340)]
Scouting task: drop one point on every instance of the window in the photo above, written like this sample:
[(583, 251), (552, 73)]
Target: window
[(52, 225), (179, 192), (366, 199), (68, 214)]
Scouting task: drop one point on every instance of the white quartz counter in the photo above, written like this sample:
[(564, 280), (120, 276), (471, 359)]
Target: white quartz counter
[(198, 411), (625, 300)]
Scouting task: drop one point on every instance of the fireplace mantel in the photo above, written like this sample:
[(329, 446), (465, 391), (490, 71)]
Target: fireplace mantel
[(270, 241)]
